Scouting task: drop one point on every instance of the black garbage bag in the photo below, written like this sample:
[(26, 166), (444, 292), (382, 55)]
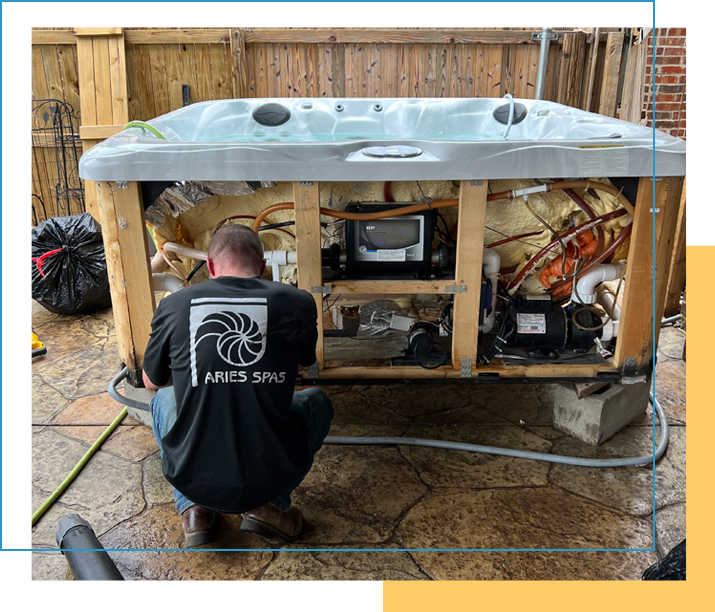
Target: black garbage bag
[(670, 567), (69, 271)]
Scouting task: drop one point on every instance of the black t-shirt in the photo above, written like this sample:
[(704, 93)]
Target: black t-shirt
[(233, 346)]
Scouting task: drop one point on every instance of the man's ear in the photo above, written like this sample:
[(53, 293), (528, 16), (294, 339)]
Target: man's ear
[(212, 267), (263, 268)]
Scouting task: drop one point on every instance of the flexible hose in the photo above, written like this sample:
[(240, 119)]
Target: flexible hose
[(511, 115), (520, 454), (87, 456), (472, 448), (146, 126), (122, 399)]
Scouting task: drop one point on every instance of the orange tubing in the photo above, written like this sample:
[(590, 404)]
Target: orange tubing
[(385, 214), (420, 206), (572, 233)]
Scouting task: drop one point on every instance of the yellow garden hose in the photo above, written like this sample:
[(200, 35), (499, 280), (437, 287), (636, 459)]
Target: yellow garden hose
[(78, 468)]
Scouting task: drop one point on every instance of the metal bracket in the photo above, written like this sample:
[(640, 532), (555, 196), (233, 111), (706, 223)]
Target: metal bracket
[(657, 179), (122, 185), (313, 371), (539, 36), (476, 183), (633, 380), (655, 210), (324, 289), (306, 183), (455, 289), (466, 369)]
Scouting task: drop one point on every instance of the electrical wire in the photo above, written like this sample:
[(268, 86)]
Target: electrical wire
[(553, 231), (197, 267), (335, 301)]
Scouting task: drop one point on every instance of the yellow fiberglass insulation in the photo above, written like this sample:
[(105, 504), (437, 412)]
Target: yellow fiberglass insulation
[(503, 218)]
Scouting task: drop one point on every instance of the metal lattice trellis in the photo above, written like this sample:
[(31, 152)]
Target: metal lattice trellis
[(56, 147)]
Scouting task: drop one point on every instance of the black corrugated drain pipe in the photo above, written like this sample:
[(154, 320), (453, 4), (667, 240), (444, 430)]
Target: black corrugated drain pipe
[(86, 556)]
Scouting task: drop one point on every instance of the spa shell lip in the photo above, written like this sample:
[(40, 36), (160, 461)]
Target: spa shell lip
[(376, 139)]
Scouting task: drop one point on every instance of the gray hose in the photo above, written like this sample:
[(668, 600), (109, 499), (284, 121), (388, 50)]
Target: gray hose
[(471, 448), (508, 452), (118, 397), (670, 320)]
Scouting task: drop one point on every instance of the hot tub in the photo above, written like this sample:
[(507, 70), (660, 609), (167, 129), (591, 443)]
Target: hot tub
[(372, 139)]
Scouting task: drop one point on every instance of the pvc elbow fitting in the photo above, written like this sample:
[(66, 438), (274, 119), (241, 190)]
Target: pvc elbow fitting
[(585, 291)]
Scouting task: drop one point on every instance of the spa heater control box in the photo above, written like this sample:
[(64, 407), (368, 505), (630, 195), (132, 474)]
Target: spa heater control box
[(391, 245)]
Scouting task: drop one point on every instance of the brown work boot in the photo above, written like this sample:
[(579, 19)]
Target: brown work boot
[(199, 526), (269, 522)]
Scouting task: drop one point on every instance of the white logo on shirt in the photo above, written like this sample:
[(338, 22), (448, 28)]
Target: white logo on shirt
[(236, 327)]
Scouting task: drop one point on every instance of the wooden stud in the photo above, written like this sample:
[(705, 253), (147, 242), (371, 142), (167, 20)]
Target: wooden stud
[(635, 346), (301, 36), (127, 253), (177, 36), (676, 278), (439, 287), (87, 89), (99, 132), (307, 230), (91, 204), (548, 370), (611, 72), (369, 36), (118, 80), (470, 244), (98, 31), (53, 37)]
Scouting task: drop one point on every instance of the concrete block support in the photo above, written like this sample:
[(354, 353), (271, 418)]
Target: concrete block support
[(594, 419), (139, 395)]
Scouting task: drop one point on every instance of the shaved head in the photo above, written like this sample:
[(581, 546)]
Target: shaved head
[(236, 247)]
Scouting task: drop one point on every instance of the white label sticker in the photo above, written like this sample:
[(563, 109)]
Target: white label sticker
[(531, 323), (542, 298), (603, 161), (391, 255)]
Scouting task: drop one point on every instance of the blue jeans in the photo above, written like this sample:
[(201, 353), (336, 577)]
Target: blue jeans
[(313, 405)]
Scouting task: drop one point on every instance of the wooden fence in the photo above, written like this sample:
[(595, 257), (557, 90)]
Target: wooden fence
[(584, 67)]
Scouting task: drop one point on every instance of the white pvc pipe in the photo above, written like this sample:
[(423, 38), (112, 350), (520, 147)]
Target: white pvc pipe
[(274, 259), (158, 263), (585, 292), (167, 282), (180, 249), (491, 262), (609, 303)]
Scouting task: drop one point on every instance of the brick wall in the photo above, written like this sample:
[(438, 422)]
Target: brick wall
[(669, 81), (699, 101)]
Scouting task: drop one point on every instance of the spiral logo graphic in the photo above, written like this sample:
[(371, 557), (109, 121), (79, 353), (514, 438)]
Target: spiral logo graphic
[(239, 341)]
